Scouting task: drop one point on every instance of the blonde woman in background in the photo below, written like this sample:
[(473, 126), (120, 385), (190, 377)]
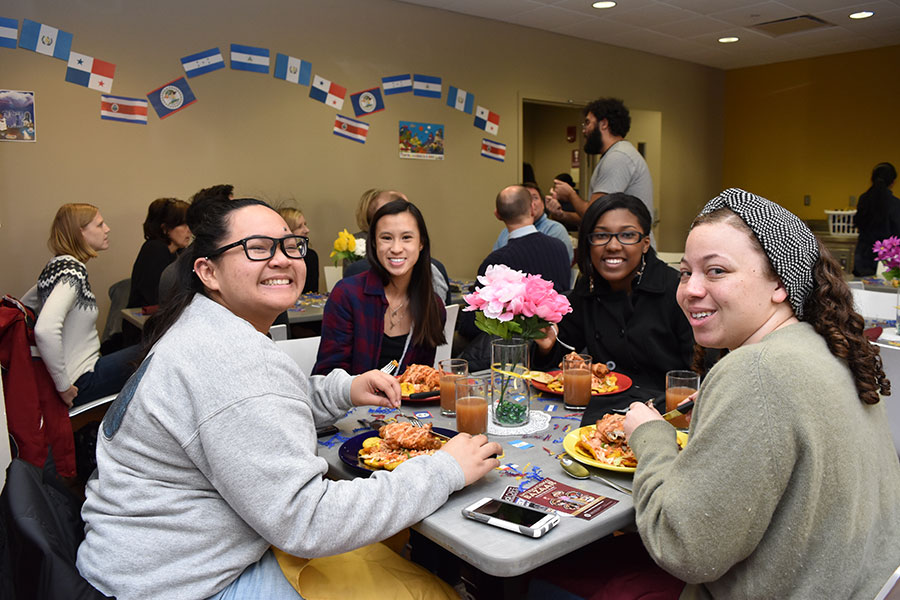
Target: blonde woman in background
[(296, 222)]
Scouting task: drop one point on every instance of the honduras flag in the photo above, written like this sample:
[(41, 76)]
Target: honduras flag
[(367, 102), (460, 100), (249, 58), (171, 97), (203, 62), (45, 40), (292, 69), (396, 84), (9, 32), (427, 86)]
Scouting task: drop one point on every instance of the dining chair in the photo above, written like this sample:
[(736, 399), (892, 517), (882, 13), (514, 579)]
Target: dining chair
[(891, 589), (445, 350), (302, 350)]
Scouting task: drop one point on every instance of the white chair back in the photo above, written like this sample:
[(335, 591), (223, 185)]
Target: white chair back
[(302, 350), (890, 590), (670, 258), (278, 332), (875, 305), (445, 350), (332, 276)]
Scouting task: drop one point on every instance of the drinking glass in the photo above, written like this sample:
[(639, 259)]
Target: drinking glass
[(472, 404), (577, 381), (680, 385), (451, 369)]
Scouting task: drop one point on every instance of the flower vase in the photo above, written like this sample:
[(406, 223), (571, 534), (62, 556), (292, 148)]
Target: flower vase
[(510, 392), (897, 315)]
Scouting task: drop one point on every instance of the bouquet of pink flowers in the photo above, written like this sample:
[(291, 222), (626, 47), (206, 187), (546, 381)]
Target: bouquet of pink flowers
[(511, 302), (888, 252)]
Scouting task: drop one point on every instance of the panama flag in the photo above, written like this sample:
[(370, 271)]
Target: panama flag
[(45, 39), (90, 72), (396, 84), (203, 62), (367, 102), (120, 108), (460, 100), (292, 69), (487, 120), (330, 93), (171, 97), (427, 86), (494, 150), (249, 58), (351, 129), (9, 32)]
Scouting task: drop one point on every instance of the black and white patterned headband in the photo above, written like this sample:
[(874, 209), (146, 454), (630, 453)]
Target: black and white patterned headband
[(788, 243)]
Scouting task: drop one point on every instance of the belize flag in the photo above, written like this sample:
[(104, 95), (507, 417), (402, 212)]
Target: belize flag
[(171, 97), (9, 32), (126, 110), (45, 39), (90, 72), (487, 120), (367, 102), (396, 84), (494, 150), (460, 100), (351, 129), (203, 62), (427, 86), (330, 93), (249, 58), (292, 69)]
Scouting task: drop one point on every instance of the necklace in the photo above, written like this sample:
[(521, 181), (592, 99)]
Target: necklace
[(395, 316)]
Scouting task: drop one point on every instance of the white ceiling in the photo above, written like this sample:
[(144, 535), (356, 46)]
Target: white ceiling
[(689, 29)]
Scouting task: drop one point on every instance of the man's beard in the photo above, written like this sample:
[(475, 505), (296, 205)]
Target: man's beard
[(593, 144)]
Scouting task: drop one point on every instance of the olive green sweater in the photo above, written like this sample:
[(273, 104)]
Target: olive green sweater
[(789, 486)]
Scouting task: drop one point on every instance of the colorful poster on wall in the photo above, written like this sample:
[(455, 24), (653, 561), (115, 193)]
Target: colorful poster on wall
[(423, 141), (17, 116)]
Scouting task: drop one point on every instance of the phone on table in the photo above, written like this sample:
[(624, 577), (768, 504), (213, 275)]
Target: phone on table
[(520, 519)]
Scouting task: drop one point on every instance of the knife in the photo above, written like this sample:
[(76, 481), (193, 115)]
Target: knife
[(679, 411), (423, 395)]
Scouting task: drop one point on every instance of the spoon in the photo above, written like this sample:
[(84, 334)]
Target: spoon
[(579, 471)]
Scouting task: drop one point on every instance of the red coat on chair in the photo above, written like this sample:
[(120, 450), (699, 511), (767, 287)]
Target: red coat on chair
[(37, 417)]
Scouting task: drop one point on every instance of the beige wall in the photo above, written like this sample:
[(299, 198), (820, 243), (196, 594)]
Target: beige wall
[(270, 140)]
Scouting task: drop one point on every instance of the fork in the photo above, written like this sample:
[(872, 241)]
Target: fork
[(415, 422), (390, 367)]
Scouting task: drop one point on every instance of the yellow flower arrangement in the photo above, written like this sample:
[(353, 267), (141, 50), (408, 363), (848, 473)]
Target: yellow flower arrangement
[(347, 247)]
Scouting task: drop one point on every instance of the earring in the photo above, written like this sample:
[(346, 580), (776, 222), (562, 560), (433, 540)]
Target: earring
[(640, 272)]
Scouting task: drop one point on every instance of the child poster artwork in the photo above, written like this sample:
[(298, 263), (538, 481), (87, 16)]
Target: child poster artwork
[(424, 141), (17, 116)]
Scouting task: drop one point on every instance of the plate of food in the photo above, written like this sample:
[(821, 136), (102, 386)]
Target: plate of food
[(603, 381), (390, 446), (603, 445), (420, 383)]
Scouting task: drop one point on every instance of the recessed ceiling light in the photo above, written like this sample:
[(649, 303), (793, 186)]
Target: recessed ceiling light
[(729, 40), (865, 14), (603, 4)]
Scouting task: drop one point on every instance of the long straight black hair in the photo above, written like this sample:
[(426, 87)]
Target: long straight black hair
[(210, 230), (427, 327)]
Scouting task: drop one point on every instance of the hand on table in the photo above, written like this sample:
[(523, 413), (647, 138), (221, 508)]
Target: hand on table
[(475, 454), (68, 396), (638, 414), (375, 388)]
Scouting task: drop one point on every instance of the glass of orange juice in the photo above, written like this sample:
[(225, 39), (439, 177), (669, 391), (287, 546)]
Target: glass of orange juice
[(680, 385), (472, 404), (577, 381), (451, 369)]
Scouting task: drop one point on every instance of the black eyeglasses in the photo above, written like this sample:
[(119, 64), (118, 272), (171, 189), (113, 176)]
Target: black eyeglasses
[(627, 238), (262, 247)]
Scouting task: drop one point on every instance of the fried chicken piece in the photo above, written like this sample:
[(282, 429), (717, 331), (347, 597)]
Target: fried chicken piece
[(422, 375), (598, 369), (611, 428), (406, 435)]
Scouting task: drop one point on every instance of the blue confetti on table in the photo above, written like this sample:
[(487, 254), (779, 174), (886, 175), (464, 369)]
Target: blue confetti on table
[(522, 445), (550, 407), (380, 410), (334, 440)]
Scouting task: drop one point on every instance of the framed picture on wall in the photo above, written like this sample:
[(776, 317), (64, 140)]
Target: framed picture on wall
[(17, 116), (424, 141)]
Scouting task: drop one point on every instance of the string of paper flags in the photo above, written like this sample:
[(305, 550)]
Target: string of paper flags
[(177, 95)]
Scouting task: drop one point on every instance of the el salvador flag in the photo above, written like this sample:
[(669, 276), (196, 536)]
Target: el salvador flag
[(9, 32), (292, 69), (45, 40), (461, 100), (249, 58), (203, 62)]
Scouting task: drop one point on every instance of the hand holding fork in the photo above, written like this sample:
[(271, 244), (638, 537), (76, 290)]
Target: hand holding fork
[(376, 388)]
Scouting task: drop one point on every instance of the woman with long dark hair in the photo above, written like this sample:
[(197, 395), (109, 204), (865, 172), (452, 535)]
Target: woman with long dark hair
[(207, 458), (165, 233), (877, 218), (789, 485), (389, 312)]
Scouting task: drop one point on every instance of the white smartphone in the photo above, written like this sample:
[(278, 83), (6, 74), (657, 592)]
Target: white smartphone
[(521, 519)]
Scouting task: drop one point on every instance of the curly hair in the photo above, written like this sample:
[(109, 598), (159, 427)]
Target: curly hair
[(615, 113)]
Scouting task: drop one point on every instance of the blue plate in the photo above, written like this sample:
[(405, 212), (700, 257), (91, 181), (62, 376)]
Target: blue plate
[(349, 450)]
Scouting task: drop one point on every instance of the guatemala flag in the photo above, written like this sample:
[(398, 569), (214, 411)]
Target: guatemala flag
[(367, 101), (460, 100), (249, 58), (330, 93), (292, 69), (427, 86), (90, 72), (203, 62), (172, 97), (396, 84), (45, 39), (494, 150), (9, 32), (120, 108), (487, 120), (351, 129)]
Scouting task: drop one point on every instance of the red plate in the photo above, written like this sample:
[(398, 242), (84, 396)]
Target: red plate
[(623, 382), (435, 398)]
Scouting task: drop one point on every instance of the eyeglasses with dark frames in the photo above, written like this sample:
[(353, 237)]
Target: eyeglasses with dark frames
[(262, 247), (626, 238)]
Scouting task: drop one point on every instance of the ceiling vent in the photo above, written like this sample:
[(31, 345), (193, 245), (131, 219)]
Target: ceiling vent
[(791, 25)]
